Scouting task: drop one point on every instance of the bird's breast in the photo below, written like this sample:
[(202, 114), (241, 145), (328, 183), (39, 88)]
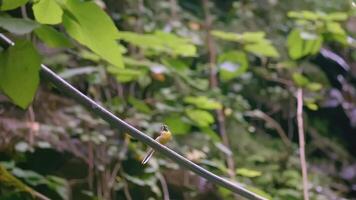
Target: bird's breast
[(165, 137)]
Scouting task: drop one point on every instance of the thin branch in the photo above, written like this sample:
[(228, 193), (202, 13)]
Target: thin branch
[(120, 124), (303, 162), (273, 123)]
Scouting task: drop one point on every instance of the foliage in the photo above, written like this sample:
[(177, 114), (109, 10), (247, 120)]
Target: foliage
[(153, 62)]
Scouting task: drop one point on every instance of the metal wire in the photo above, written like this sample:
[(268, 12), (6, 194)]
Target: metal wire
[(118, 123)]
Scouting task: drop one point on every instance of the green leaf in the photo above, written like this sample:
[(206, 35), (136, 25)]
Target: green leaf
[(334, 27), (253, 37), (337, 16), (17, 25), (262, 49), (177, 125), (250, 173), (232, 64), (312, 106), (305, 14), (314, 86), (12, 4), (295, 44), (300, 80), (202, 118), (126, 74), (227, 35), (52, 37), (160, 42), (47, 12), (139, 105), (203, 102), (19, 72), (95, 30)]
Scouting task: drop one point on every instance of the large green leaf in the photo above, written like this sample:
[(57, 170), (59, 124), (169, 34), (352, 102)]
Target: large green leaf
[(295, 44), (202, 118), (17, 25), (92, 27), (19, 72), (12, 4), (52, 37), (47, 12)]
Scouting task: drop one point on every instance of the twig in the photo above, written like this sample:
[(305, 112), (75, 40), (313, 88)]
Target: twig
[(303, 162), (120, 124), (213, 84), (273, 123)]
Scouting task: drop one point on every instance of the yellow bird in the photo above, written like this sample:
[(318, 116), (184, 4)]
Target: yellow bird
[(164, 137)]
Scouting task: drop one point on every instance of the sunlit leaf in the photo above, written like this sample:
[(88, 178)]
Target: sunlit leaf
[(227, 35), (295, 44), (250, 173), (337, 16), (312, 106), (101, 39), (314, 86), (47, 12), (203, 102), (335, 27), (126, 74), (11, 4), (160, 42), (305, 14), (253, 37)]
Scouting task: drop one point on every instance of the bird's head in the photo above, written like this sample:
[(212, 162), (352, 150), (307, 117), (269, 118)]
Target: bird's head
[(164, 127)]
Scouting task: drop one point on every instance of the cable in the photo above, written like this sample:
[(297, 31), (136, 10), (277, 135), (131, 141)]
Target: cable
[(118, 123)]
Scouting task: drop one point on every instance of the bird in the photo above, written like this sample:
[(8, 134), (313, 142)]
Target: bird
[(164, 137)]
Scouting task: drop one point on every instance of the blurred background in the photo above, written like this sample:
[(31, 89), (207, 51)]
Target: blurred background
[(223, 75)]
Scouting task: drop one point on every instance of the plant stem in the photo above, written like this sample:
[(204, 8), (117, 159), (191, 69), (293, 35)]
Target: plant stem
[(303, 162)]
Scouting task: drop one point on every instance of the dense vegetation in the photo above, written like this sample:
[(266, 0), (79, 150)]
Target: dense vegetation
[(225, 76)]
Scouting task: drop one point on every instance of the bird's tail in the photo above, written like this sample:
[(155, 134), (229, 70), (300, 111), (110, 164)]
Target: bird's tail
[(148, 156)]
